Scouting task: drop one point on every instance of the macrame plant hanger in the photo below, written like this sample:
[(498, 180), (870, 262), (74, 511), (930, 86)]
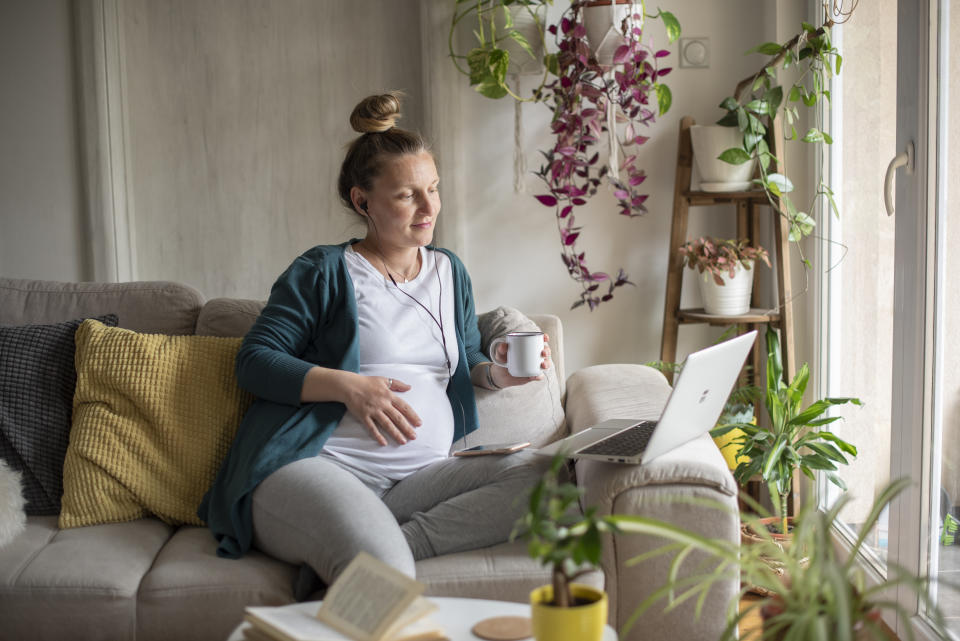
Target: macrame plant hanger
[(611, 40)]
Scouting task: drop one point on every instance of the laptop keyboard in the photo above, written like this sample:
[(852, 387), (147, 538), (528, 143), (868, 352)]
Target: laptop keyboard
[(629, 442)]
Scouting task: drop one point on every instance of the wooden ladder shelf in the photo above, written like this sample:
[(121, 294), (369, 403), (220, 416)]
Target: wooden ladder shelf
[(747, 205)]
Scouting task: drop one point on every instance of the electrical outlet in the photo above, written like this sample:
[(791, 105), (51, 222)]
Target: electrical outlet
[(695, 53)]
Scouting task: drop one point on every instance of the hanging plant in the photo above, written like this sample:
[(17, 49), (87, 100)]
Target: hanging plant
[(596, 105), (758, 99)]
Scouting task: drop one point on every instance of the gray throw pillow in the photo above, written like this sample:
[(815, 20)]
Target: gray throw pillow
[(37, 381), (531, 412)]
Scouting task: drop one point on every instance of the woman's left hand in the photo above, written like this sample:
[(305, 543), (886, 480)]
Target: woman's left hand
[(503, 378)]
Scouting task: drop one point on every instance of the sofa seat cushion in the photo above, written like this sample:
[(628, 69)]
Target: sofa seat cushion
[(503, 572), (83, 580), (191, 593)]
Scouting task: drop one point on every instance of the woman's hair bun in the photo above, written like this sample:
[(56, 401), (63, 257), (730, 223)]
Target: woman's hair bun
[(376, 114)]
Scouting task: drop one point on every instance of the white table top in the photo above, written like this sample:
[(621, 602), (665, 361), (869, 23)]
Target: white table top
[(458, 616)]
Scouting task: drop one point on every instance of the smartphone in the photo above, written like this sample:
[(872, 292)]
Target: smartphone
[(492, 448)]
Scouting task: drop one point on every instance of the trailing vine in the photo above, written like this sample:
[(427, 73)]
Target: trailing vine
[(582, 97)]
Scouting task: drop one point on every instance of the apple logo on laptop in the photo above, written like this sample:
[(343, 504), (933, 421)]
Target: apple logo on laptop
[(703, 396)]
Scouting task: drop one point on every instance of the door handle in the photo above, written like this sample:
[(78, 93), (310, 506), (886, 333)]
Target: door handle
[(904, 158)]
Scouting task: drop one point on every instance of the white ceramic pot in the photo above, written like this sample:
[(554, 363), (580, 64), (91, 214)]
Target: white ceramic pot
[(733, 298), (709, 141), (603, 30)]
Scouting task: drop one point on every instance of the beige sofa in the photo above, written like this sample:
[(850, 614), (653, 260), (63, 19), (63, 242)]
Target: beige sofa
[(147, 580)]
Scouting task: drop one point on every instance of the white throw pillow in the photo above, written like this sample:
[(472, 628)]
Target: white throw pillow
[(13, 518), (531, 412)]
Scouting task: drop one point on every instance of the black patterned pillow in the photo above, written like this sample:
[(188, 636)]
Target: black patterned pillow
[(37, 381)]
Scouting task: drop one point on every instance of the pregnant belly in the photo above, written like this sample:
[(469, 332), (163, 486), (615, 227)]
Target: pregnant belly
[(351, 441)]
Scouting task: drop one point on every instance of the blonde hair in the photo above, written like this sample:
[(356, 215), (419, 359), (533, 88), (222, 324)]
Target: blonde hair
[(375, 118)]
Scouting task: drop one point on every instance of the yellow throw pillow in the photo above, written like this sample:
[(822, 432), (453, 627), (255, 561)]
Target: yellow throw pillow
[(153, 417)]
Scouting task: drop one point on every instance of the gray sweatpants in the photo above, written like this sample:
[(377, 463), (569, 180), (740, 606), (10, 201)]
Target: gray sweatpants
[(315, 512)]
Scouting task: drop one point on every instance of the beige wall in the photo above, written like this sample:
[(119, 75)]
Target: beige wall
[(42, 231), (236, 118)]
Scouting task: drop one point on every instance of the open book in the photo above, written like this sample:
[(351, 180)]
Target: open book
[(369, 601)]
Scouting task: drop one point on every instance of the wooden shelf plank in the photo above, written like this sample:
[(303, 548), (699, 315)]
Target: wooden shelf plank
[(698, 315), (715, 197)]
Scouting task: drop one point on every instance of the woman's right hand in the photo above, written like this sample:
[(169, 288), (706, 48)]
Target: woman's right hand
[(372, 401)]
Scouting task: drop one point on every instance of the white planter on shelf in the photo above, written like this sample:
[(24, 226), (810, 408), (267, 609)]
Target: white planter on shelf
[(733, 298), (709, 141)]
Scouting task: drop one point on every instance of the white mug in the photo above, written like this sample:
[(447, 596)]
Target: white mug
[(523, 353)]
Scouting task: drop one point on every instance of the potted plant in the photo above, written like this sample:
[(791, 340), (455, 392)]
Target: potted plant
[(815, 593), (570, 544), (596, 106), (758, 100), (796, 438), (726, 267), (510, 39)]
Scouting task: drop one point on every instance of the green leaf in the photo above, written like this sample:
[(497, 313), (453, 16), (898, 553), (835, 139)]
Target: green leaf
[(750, 140), (813, 135), (839, 61), (779, 182), (742, 120), (664, 97), (521, 40), (729, 104), (672, 25), (794, 94), (827, 450), (804, 225), (730, 120), (834, 478), (734, 156), (773, 98), (492, 90), (773, 457), (767, 49), (552, 63)]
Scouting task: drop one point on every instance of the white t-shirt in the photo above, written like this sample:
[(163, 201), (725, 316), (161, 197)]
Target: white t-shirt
[(398, 339)]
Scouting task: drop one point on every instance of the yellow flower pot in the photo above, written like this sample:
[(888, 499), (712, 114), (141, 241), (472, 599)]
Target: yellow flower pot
[(579, 623), (731, 453)]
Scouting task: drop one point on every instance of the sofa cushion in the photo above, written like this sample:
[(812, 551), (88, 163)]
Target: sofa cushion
[(502, 572), (228, 316), (37, 378), (153, 417), (82, 580), (531, 412), (191, 593), (148, 306)]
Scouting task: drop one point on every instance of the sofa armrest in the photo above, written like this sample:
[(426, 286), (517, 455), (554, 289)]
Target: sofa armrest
[(694, 470)]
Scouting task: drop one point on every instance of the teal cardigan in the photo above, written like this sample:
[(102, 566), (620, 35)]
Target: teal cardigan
[(310, 319)]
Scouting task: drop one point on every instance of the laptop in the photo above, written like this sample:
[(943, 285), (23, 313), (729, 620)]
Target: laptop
[(698, 397)]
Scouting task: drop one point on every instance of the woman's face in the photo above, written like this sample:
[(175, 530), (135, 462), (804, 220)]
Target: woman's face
[(404, 202)]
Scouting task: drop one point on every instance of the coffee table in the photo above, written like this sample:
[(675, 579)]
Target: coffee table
[(458, 616)]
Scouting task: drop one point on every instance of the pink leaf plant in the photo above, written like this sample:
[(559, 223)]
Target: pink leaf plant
[(579, 97), (719, 256)]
